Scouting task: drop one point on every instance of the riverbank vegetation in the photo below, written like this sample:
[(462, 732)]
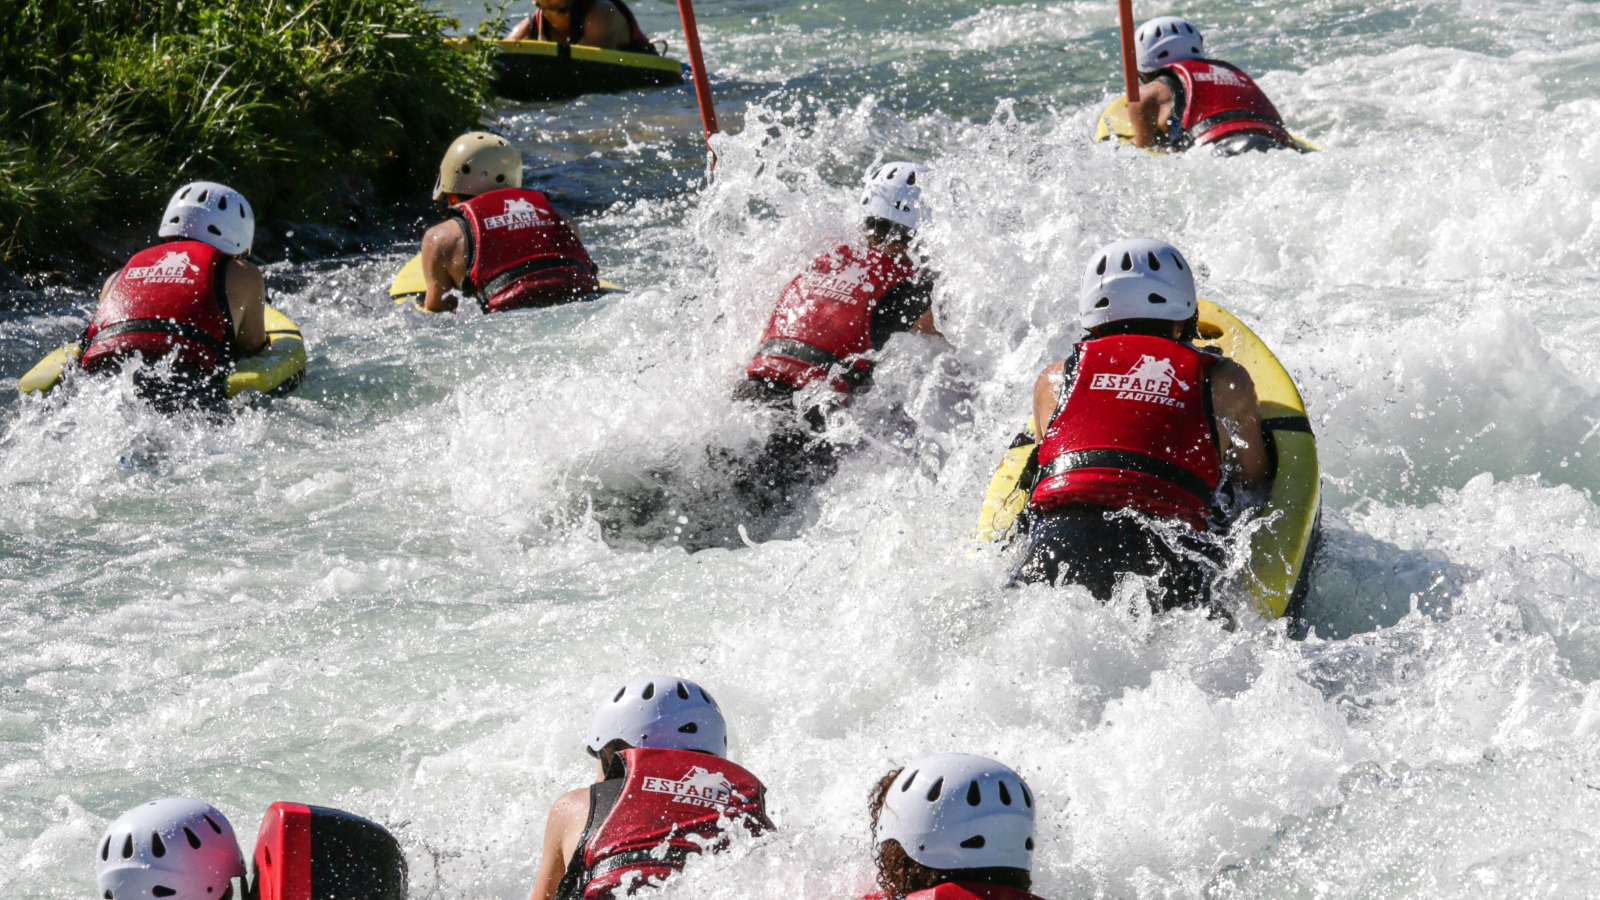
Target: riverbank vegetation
[(309, 107)]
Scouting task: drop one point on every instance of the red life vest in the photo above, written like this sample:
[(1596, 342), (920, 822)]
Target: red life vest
[(1133, 430), (579, 11), (640, 826), (520, 253), (169, 298), (822, 326), (970, 891), (1221, 99)]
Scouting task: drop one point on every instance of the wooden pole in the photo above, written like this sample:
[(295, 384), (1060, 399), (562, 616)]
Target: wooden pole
[(1130, 66), (702, 81)]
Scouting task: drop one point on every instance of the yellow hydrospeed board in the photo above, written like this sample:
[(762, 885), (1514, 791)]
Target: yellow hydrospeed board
[(1279, 549), (277, 369), (1114, 122)]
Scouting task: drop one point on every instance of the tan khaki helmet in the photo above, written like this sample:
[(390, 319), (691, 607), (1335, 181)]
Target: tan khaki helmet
[(478, 163)]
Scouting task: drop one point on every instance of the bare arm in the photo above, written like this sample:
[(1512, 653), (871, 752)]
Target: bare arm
[(1233, 398), (522, 31), (1149, 115), (1046, 390), (924, 325), (247, 299), (444, 264), (562, 830), (606, 27)]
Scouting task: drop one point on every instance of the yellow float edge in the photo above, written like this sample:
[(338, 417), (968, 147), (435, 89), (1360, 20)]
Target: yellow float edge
[(409, 287), (579, 53), (1114, 122), (283, 358)]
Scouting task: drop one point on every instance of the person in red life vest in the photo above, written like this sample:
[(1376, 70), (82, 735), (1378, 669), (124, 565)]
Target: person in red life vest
[(953, 827), (848, 303), (500, 244), (663, 781), (1140, 431), (828, 324), (607, 24), (1188, 101), (192, 298)]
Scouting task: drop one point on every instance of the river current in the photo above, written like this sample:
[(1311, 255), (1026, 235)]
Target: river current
[(402, 590)]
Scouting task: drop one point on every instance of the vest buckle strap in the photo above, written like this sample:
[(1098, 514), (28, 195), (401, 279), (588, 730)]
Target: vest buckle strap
[(161, 326), (1232, 115), (504, 279), (1129, 461), (814, 356)]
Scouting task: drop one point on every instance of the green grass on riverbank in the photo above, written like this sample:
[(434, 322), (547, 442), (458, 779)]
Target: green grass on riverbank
[(306, 106)]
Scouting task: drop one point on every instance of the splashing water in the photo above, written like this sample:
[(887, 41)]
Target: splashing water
[(401, 590)]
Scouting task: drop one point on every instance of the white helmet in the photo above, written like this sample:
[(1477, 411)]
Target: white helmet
[(959, 811), (893, 194), (212, 213), (178, 848), (1136, 278), (662, 711), (1166, 40)]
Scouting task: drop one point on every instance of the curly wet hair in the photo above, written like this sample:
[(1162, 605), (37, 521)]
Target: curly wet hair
[(900, 875)]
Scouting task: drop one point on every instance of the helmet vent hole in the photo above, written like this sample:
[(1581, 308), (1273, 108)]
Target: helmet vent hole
[(688, 728), (933, 792), (194, 839), (466, 169), (184, 193), (973, 843), (500, 179), (1127, 262), (1162, 55), (105, 849), (906, 786), (974, 796), (618, 697), (707, 696), (214, 826), (1177, 260), (1157, 298), (1005, 795), (202, 197), (173, 220), (213, 229), (108, 895), (1155, 264), (162, 890), (156, 847), (683, 692), (1102, 303), (1101, 269), (911, 179), (127, 847), (222, 203), (649, 690), (1029, 844), (1026, 797), (890, 176)]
